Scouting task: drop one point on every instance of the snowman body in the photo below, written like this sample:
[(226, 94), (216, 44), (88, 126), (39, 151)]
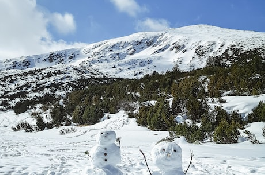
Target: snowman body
[(106, 152), (167, 156)]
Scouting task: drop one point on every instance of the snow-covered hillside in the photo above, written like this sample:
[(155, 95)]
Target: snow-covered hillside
[(133, 56), (142, 53)]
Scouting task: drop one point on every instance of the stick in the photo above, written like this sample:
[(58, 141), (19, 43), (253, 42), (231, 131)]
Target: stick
[(145, 161), (191, 156)]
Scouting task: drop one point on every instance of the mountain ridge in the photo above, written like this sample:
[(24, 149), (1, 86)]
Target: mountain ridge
[(188, 47)]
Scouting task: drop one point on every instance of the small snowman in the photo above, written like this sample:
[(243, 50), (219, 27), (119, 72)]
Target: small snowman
[(106, 153), (167, 156)]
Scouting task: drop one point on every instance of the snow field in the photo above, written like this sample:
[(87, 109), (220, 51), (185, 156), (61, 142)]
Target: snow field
[(48, 152)]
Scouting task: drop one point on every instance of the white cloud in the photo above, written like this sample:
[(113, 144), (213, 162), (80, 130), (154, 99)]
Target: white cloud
[(24, 31), (152, 25), (128, 6), (64, 24)]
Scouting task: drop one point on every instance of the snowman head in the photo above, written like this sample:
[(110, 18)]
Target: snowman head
[(106, 137), (167, 156)]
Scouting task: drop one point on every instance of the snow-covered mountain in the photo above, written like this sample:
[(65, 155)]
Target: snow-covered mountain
[(132, 56), (142, 53)]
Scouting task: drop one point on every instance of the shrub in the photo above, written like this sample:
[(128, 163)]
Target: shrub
[(91, 115), (131, 115), (251, 137), (226, 133), (40, 123), (49, 125), (207, 127), (58, 115), (23, 126), (21, 107), (221, 100), (258, 113), (158, 117), (192, 133), (67, 130)]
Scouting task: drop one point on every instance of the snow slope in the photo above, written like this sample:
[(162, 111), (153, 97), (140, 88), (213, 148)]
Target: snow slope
[(142, 53), (243, 105), (48, 152), (133, 56)]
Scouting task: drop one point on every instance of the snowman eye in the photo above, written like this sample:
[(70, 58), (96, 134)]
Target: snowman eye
[(101, 133), (175, 150), (163, 150)]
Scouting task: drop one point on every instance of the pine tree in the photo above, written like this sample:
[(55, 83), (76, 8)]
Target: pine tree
[(226, 133), (40, 123)]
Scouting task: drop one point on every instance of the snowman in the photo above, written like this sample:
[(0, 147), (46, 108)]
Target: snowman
[(167, 156), (106, 153)]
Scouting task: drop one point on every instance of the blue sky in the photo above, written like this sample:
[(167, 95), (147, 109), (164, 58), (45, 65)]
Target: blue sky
[(37, 26), (97, 20)]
